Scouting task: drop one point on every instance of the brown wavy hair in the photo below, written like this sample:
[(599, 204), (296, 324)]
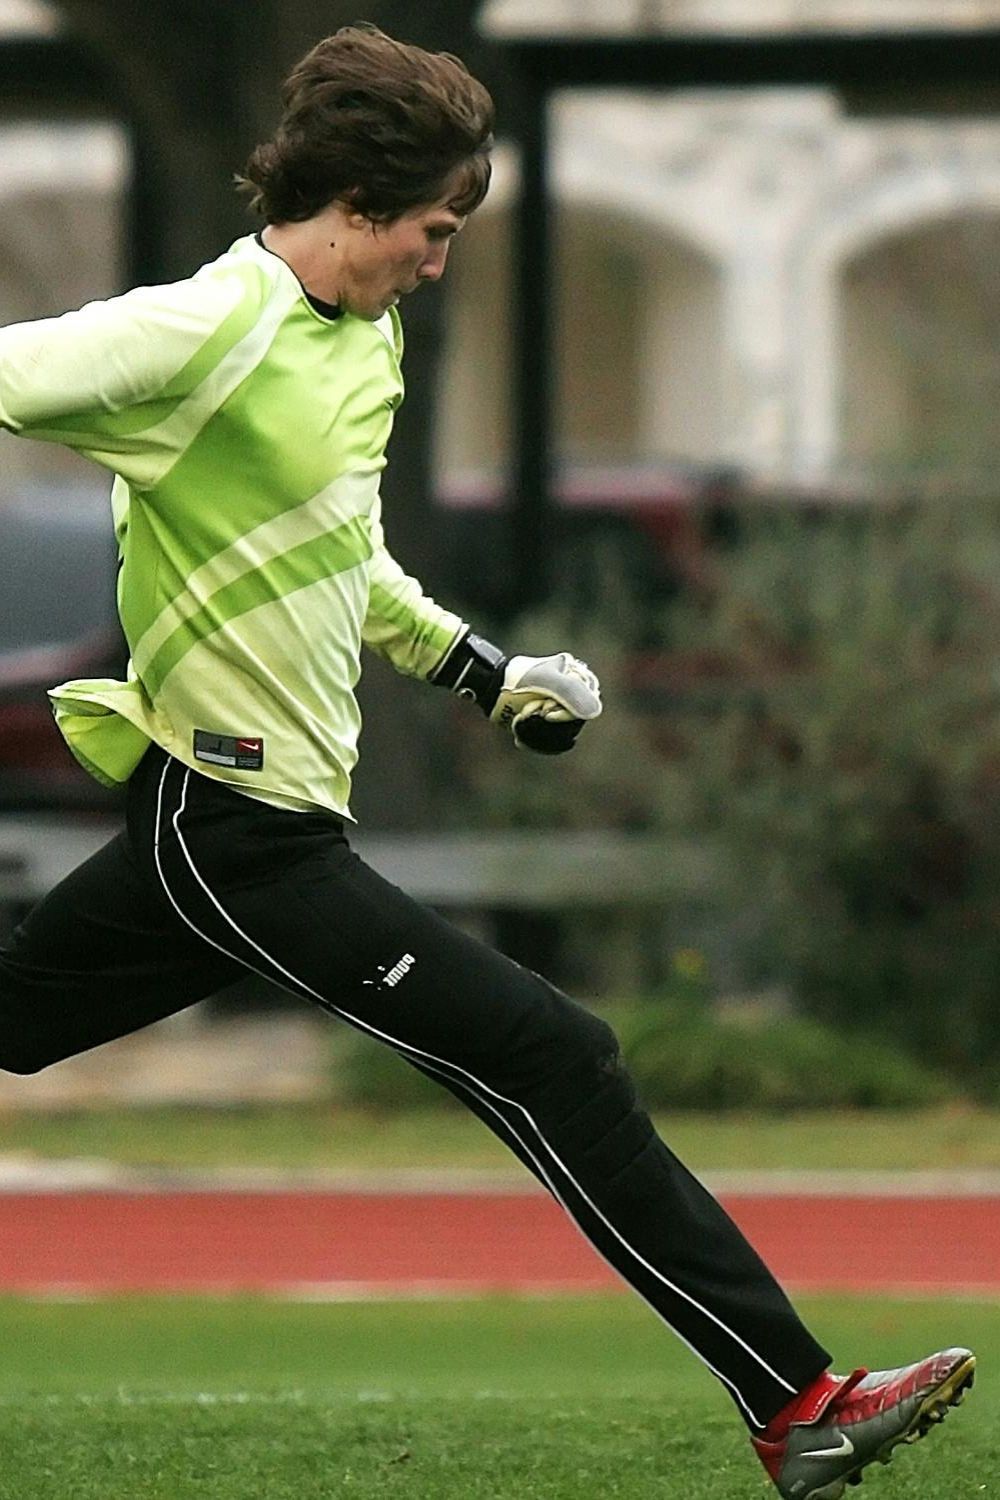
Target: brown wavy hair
[(378, 124)]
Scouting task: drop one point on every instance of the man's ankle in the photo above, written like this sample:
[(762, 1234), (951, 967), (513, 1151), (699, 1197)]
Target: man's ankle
[(809, 1404)]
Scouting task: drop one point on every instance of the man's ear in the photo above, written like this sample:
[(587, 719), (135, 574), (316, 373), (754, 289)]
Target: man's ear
[(352, 214)]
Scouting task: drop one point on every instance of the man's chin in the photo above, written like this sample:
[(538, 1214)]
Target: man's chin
[(372, 313)]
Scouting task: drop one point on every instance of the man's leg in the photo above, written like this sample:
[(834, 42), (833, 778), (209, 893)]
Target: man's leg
[(102, 955), (283, 894)]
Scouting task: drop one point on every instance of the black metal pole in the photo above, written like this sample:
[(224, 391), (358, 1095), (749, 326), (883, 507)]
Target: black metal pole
[(531, 506)]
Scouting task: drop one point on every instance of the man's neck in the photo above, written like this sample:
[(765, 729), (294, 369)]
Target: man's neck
[(308, 249)]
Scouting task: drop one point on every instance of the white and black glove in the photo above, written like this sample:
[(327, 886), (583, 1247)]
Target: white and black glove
[(546, 700)]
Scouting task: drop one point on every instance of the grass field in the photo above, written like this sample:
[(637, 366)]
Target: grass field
[(318, 1136), (575, 1399), (511, 1400)]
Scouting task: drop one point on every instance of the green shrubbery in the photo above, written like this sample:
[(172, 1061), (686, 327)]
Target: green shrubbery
[(828, 721), (694, 1060), (851, 766)]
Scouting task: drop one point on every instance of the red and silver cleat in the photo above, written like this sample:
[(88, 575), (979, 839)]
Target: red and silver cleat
[(853, 1421)]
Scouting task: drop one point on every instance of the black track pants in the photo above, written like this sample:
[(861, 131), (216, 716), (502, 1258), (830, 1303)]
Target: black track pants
[(206, 883)]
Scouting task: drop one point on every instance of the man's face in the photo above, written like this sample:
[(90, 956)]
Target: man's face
[(383, 262)]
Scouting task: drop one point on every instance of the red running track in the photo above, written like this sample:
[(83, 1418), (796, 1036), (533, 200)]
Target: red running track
[(351, 1244)]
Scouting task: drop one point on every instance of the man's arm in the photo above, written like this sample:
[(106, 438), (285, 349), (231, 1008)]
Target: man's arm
[(403, 624), (102, 379), (545, 701)]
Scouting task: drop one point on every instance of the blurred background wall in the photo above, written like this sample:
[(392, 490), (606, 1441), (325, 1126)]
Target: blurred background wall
[(752, 279), (757, 279)]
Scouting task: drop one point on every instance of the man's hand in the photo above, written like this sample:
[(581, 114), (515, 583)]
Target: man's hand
[(546, 700)]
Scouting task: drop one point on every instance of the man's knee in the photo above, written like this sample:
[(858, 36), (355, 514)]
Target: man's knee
[(575, 1040)]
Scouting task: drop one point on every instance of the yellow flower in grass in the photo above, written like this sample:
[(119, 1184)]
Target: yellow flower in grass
[(689, 963)]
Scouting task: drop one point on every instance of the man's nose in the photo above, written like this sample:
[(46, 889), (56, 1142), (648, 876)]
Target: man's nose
[(432, 268)]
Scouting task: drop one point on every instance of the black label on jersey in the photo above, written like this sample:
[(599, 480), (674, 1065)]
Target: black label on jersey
[(242, 752)]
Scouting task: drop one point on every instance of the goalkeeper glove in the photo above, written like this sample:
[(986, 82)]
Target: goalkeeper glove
[(546, 700)]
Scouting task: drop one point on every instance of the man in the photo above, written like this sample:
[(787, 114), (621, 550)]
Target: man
[(245, 414)]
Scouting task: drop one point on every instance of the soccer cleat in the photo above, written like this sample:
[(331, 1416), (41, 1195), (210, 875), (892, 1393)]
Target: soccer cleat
[(844, 1424)]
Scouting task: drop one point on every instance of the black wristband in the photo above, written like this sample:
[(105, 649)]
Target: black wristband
[(473, 669)]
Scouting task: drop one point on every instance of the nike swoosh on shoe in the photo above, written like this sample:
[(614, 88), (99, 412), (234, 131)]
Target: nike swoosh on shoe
[(845, 1448)]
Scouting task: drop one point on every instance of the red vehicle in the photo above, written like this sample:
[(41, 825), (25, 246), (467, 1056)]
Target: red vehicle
[(57, 621)]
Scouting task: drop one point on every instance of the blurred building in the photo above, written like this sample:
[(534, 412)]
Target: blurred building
[(615, 17), (62, 189), (755, 278)]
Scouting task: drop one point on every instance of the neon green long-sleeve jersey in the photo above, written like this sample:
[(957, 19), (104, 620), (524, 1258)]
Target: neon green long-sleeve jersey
[(247, 433)]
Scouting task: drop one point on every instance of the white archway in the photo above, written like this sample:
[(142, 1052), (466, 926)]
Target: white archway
[(638, 344), (907, 180), (920, 347), (942, 186)]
